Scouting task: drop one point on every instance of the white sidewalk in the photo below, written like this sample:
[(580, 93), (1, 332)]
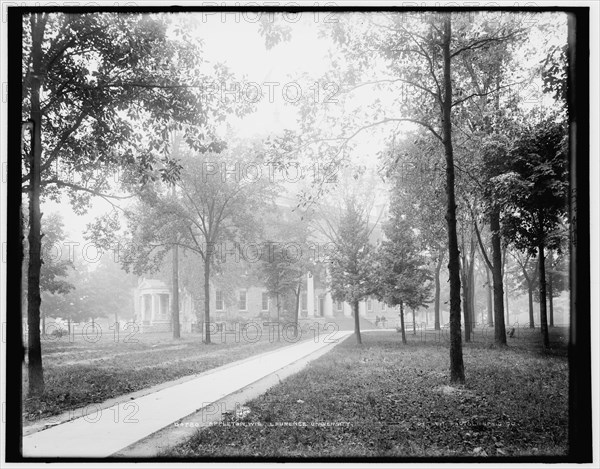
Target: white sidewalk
[(111, 429)]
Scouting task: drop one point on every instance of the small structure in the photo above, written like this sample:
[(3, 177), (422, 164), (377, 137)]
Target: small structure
[(153, 307)]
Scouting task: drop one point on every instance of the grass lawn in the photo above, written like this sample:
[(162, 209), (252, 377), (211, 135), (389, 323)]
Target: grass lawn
[(78, 372), (388, 399)]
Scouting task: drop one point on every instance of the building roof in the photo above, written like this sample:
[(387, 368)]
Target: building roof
[(152, 284)]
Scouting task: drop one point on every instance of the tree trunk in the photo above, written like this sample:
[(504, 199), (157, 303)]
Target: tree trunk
[(466, 306), (356, 322), (206, 298), (35, 369), (504, 283), (471, 279), (500, 328), (438, 267), (550, 299), (175, 292), (490, 314), (530, 300), (543, 316), (414, 323), (457, 372), (69, 327), (402, 323)]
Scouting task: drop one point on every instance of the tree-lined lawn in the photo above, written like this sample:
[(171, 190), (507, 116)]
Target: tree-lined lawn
[(79, 373), (388, 399)]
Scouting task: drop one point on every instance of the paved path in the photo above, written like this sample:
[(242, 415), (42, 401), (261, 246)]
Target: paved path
[(111, 429)]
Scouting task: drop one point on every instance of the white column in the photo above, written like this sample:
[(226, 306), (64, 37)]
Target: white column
[(347, 309), (310, 295)]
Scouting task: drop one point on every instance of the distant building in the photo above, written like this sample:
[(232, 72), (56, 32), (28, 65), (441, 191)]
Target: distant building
[(153, 297), (153, 306)]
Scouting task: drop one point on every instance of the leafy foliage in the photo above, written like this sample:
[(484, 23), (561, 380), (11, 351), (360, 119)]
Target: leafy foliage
[(534, 187), (402, 275), (115, 85), (57, 264)]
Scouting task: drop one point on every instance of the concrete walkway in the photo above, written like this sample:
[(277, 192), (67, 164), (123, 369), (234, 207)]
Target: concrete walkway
[(109, 430)]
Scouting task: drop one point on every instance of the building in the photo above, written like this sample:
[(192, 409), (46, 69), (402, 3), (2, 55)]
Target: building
[(153, 306), (152, 300)]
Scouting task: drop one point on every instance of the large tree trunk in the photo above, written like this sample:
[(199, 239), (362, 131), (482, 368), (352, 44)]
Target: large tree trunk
[(402, 323), (457, 372), (543, 316), (35, 369), (438, 267), (356, 322), (490, 313), (207, 298), (175, 290), (500, 328)]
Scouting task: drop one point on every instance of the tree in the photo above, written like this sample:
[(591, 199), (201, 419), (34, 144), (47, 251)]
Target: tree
[(558, 279), (494, 151), (467, 257), (280, 274), (401, 276), (413, 165), (99, 93), (215, 208), (535, 191), (351, 258), (529, 271), (424, 58), (287, 256)]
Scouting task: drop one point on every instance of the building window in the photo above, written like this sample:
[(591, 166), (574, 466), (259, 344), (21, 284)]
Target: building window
[(340, 306), (219, 300), (265, 301), (369, 305), (242, 301), (383, 307), (304, 301)]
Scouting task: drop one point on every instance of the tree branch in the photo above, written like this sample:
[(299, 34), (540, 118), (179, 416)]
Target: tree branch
[(472, 95)]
